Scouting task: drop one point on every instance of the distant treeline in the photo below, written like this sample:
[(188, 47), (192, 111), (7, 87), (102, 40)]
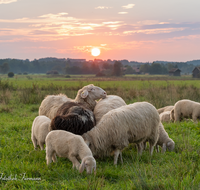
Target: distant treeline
[(69, 66)]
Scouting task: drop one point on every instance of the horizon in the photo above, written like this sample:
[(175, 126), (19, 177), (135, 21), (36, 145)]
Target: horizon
[(131, 30)]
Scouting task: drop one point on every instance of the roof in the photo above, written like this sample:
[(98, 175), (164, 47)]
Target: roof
[(174, 70), (198, 68)]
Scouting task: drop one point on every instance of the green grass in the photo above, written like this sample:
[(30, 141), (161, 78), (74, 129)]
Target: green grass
[(179, 169)]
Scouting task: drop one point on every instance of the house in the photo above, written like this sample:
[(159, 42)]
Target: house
[(175, 72), (136, 70), (196, 72)]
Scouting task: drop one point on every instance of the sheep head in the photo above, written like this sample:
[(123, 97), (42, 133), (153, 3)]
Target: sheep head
[(88, 163), (93, 92), (170, 145)]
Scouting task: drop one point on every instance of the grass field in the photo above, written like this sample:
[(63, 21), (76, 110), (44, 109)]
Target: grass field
[(21, 167)]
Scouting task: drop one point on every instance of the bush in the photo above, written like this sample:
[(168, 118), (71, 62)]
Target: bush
[(25, 73), (67, 76), (11, 74)]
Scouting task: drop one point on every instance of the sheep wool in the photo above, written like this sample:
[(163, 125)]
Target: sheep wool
[(165, 116), (186, 109), (40, 129), (166, 108), (105, 105), (74, 118), (71, 146), (133, 123)]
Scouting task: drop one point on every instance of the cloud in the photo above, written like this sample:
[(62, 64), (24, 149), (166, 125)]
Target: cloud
[(102, 7), (7, 1), (154, 31), (122, 13), (129, 6)]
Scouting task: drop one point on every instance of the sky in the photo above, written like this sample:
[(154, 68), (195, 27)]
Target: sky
[(136, 30)]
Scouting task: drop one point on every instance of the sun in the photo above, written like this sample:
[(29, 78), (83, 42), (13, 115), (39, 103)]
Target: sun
[(95, 51)]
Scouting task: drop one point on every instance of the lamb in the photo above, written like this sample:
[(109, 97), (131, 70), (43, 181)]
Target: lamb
[(186, 109), (73, 117), (165, 116), (40, 129), (87, 96), (105, 105), (66, 144), (166, 108), (164, 141), (133, 123)]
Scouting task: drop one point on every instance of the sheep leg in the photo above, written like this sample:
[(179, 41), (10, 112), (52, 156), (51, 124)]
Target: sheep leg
[(34, 140), (54, 157), (48, 157), (140, 147), (157, 148), (151, 147), (121, 157), (116, 155), (75, 162), (41, 146)]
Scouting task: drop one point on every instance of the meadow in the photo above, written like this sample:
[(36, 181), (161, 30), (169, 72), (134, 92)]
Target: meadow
[(22, 167)]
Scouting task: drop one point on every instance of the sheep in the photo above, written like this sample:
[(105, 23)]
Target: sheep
[(165, 116), (73, 117), (133, 123), (40, 129), (164, 141), (107, 104), (166, 108), (51, 103), (185, 109), (71, 146), (87, 96)]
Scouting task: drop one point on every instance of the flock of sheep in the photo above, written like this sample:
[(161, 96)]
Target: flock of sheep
[(82, 128)]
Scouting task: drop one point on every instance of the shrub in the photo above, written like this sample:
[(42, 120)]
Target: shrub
[(11, 74), (67, 76)]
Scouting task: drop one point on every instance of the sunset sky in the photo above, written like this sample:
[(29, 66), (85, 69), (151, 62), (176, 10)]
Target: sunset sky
[(136, 30)]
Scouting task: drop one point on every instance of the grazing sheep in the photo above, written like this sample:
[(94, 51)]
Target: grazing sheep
[(134, 123), (87, 96), (40, 129), (73, 117), (73, 147), (105, 105), (166, 108), (164, 141), (165, 116), (186, 109)]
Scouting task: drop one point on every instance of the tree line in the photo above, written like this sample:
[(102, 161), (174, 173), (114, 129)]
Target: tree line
[(102, 68)]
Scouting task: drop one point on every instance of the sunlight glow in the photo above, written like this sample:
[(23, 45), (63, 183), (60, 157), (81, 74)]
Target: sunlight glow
[(95, 51)]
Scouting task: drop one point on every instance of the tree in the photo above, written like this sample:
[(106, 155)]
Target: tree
[(11, 74), (4, 68), (117, 69)]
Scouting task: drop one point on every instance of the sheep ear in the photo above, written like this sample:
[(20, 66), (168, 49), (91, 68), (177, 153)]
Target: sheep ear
[(164, 148), (82, 166), (84, 94)]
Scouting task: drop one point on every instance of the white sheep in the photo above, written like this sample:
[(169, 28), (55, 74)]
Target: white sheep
[(71, 146), (105, 105), (166, 108), (165, 116), (164, 141), (186, 109), (40, 129), (86, 96), (133, 123)]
